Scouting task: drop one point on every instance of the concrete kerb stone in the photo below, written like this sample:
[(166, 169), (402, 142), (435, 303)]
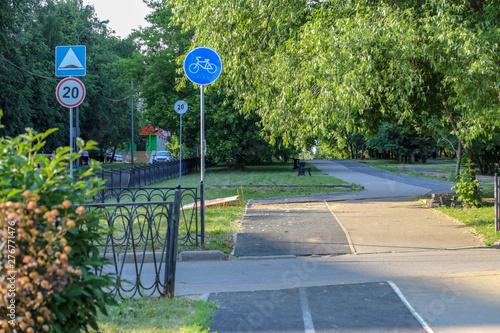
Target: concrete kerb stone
[(284, 256), (280, 185), (183, 256), (201, 255)]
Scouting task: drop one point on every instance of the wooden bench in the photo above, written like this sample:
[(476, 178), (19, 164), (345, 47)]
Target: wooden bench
[(303, 169)]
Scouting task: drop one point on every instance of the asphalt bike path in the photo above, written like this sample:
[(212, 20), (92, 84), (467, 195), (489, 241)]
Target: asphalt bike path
[(367, 307), (377, 184), (432, 185), (289, 229)]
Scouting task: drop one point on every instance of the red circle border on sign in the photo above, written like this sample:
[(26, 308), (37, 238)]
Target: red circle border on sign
[(78, 82)]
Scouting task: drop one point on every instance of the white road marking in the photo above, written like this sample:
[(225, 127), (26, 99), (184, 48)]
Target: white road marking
[(306, 313), (351, 245), (412, 310)]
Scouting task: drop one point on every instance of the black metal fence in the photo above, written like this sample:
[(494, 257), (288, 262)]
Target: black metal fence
[(146, 174), (144, 235), (190, 230)]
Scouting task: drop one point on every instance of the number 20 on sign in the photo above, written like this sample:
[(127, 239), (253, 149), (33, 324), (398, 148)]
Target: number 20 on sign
[(70, 92)]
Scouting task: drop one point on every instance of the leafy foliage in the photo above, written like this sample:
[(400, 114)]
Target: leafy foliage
[(27, 85), (304, 66), (395, 140), (375, 59), (232, 138), (55, 284), (466, 189)]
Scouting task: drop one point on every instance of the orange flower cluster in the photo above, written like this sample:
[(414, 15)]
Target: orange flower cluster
[(37, 267)]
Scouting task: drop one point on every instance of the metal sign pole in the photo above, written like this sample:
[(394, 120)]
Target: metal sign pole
[(180, 107), (132, 124), (497, 203), (180, 153), (71, 138), (202, 72), (202, 163), (70, 92)]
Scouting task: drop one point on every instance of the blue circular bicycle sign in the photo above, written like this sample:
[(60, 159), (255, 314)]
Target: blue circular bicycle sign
[(202, 66)]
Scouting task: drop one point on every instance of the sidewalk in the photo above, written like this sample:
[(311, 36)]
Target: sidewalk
[(400, 255), (382, 225)]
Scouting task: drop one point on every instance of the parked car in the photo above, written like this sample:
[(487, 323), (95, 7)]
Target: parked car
[(163, 156), (118, 157)]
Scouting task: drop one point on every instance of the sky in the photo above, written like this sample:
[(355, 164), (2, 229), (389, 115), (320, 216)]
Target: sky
[(123, 15)]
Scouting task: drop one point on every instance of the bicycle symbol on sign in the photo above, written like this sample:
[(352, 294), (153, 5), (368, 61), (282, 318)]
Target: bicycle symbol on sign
[(205, 64)]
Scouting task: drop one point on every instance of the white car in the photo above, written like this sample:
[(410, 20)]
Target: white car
[(118, 157), (163, 156)]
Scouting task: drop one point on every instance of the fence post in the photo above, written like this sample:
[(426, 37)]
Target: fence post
[(173, 233), (497, 203)]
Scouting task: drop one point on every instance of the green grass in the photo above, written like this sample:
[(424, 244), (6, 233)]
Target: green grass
[(451, 177), (157, 315), (482, 220), (275, 174)]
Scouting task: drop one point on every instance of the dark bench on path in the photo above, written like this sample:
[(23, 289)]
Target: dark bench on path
[(303, 169)]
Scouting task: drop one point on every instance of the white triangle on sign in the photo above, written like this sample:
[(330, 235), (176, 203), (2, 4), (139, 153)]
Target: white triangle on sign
[(70, 61)]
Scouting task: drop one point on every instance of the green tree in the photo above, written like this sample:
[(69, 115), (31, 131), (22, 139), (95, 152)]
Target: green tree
[(395, 141), (27, 82), (305, 65), (231, 138)]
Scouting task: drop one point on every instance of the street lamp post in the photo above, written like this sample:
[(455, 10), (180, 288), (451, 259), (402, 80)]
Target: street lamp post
[(77, 115)]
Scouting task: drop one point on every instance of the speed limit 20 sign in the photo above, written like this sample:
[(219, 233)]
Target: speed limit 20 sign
[(181, 107), (70, 92)]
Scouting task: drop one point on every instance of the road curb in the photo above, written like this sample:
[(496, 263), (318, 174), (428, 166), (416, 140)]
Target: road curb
[(184, 256), (281, 185), (284, 256), (209, 255)]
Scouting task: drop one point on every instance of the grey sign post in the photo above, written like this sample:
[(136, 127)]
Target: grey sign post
[(70, 92), (181, 108), (202, 66)]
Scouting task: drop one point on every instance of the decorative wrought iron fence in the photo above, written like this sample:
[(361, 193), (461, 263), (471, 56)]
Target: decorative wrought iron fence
[(146, 174), (143, 235), (189, 228)]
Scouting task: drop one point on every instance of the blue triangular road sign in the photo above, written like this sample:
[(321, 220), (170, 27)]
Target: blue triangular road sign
[(71, 60)]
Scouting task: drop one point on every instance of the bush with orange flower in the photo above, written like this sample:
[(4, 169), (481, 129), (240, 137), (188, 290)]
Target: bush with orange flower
[(48, 262)]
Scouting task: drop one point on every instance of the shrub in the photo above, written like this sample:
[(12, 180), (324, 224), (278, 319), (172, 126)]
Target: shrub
[(47, 249), (468, 189)]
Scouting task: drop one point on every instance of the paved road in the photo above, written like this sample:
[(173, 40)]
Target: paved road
[(377, 183), (385, 182), (271, 228), (366, 307), (453, 290)]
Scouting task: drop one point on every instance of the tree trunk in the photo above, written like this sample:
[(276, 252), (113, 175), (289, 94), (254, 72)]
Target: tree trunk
[(459, 160), (453, 124), (351, 148)]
